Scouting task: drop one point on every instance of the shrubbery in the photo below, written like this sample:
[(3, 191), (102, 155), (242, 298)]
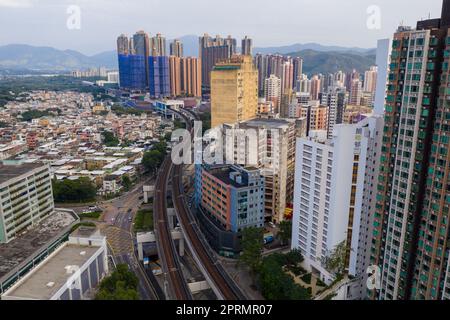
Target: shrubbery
[(80, 190)]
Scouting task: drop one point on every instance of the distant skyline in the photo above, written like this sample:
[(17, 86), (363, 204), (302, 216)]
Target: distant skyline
[(267, 22)]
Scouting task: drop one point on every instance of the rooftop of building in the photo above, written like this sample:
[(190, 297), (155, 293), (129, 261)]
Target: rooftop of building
[(16, 169), (222, 172), (268, 122), (22, 249), (43, 282)]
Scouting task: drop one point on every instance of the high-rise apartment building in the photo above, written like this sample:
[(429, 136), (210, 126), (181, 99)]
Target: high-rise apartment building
[(158, 46), (412, 220), (370, 79), (123, 45), (159, 79), (298, 70), (272, 91), (141, 44), (288, 69), (287, 78), (355, 92), (334, 202), (175, 75), (354, 75), (340, 79), (246, 48), (176, 48), (133, 64), (234, 91), (26, 197), (315, 87), (191, 76), (185, 76), (336, 101), (316, 115), (213, 50), (301, 100), (273, 149), (260, 62), (303, 84)]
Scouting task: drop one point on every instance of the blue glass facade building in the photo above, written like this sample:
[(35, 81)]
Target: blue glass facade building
[(159, 79), (132, 72)]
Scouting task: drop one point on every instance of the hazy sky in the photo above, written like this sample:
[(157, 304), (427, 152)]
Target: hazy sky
[(268, 22)]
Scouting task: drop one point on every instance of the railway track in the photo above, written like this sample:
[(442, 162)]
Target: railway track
[(225, 285), (166, 246), (227, 288)]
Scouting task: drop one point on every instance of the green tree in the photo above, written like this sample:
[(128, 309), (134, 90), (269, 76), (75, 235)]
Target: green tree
[(252, 243), (152, 159), (109, 139), (122, 284), (126, 182), (335, 261), (34, 114), (294, 257), (275, 283), (80, 190), (285, 232)]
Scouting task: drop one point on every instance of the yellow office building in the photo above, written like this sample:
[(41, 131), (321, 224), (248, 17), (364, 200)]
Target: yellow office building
[(234, 91)]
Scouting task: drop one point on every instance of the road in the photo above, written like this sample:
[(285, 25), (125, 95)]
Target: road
[(118, 216)]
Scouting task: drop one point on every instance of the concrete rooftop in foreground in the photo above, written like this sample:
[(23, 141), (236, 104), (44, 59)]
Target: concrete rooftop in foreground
[(43, 282), (12, 171), (25, 246)]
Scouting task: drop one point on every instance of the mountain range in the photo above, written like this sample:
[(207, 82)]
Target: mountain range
[(317, 58)]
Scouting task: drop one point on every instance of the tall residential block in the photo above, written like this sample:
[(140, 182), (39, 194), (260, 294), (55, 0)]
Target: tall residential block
[(272, 150), (336, 101), (185, 76), (411, 245), (176, 48), (175, 76), (355, 92), (159, 79), (370, 79), (334, 201), (213, 50), (26, 197), (234, 91), (132, 60), (272, 91), (246, 48), (158, 45), (191, 76)]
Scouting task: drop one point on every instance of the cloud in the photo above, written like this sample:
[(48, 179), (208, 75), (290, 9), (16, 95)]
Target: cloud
[(16, 3)]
